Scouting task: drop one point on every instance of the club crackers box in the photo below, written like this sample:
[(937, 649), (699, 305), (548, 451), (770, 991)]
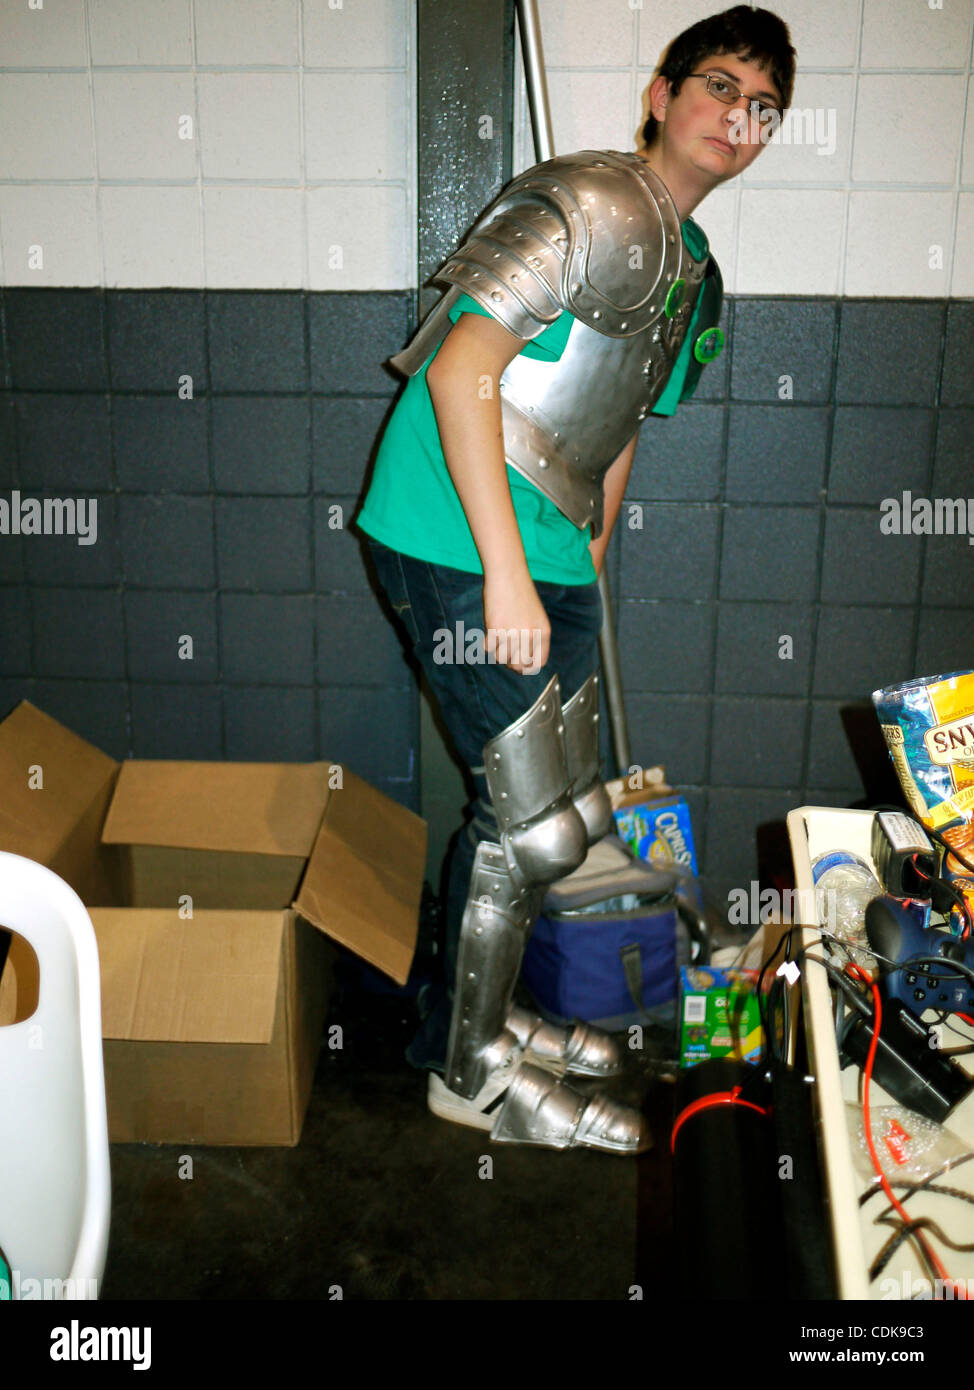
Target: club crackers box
[(652, 819), (719, 1015)]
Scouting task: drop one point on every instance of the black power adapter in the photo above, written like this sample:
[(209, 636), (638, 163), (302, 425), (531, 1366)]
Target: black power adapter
[(905, 1065), (905, 859)]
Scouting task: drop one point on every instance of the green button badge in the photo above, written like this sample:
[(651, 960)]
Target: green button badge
[(709, 345), (675, 298)]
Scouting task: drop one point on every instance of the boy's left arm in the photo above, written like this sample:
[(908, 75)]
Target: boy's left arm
[(614, 484)]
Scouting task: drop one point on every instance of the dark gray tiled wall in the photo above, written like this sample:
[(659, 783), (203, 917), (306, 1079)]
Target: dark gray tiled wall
[(213, 522), (760, 521)]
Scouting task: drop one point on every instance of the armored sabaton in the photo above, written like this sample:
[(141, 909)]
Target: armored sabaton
[(543, 777), (594, 233)]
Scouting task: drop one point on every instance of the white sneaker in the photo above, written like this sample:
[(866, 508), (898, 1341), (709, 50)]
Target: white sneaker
[(481, 1112)]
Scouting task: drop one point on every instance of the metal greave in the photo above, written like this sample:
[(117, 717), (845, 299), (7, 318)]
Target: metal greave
[(543, 776)]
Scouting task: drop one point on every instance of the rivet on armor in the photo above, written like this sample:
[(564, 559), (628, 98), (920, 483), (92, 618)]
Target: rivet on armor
[(576, 288), (496, 294), (471, 975), (542, 463), (624, 323), (596, 313), (478, 931), (544, 709)]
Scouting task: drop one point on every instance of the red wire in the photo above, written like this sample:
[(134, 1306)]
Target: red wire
[(894, 1202), (966, 931), (732, 1097)]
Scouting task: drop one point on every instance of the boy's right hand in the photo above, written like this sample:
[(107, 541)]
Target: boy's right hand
[(518, 631)]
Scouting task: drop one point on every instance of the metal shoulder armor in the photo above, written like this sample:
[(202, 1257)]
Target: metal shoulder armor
[(594, 233)]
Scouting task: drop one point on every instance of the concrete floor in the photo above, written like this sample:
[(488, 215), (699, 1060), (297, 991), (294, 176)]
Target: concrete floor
[(383, 1200)]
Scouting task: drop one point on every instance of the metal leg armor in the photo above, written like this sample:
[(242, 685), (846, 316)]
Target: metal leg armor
[(543, 776)]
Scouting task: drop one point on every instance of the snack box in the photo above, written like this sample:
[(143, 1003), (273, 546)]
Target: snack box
[(719, 1015), (653, 820)]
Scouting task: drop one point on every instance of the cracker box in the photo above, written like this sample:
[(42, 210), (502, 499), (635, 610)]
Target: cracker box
[(719, 1015)]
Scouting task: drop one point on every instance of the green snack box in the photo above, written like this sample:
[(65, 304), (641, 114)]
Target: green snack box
[(719, 1015)]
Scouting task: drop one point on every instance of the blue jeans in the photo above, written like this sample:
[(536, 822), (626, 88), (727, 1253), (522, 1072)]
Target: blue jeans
[(477, 701)]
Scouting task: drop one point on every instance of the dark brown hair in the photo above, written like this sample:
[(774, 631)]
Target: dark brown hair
[(748, 33)]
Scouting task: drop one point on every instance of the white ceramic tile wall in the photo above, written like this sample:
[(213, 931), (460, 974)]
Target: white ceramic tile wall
[(271, 143), (227, 143)]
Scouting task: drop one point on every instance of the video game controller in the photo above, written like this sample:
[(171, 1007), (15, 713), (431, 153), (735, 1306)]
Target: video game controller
[(894, 932)]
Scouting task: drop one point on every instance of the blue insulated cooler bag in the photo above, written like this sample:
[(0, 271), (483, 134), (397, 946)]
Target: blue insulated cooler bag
[(610, 939)]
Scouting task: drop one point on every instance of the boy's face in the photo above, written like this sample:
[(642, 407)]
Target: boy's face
[(718, 139)]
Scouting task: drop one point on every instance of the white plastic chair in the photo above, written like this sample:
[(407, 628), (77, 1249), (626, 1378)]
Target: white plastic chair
[(55, 1183)]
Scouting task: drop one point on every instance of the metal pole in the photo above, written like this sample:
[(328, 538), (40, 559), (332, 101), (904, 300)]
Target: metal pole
[(531, 52)]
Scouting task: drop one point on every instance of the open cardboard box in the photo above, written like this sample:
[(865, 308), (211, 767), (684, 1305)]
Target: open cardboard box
[(212, 888)]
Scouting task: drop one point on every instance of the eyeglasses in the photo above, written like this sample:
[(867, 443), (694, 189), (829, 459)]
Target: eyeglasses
[(728, 93)]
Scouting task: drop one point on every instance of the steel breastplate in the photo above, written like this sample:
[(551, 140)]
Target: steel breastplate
[(596, 234), (566, 422)]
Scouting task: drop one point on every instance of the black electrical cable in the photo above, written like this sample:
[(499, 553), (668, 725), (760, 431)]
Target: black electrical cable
[(762, 1013), (941, 1022), (945, 1167), (906, 1231), (965, 970), (911, 1187), (768, 1047)]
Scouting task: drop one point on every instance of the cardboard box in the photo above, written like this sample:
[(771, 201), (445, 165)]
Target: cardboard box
[(719, 1014), (213, 888), (652, 819)]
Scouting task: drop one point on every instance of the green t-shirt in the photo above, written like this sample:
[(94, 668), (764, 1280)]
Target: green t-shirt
[(413, 506)]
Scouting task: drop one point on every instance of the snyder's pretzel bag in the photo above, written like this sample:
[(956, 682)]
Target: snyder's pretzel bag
[(928, 724)]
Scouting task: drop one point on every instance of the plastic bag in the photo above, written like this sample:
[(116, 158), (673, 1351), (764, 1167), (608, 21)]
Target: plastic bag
[(909, 1146)]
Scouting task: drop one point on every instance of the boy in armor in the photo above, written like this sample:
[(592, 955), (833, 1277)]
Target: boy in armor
[(584, 298)]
